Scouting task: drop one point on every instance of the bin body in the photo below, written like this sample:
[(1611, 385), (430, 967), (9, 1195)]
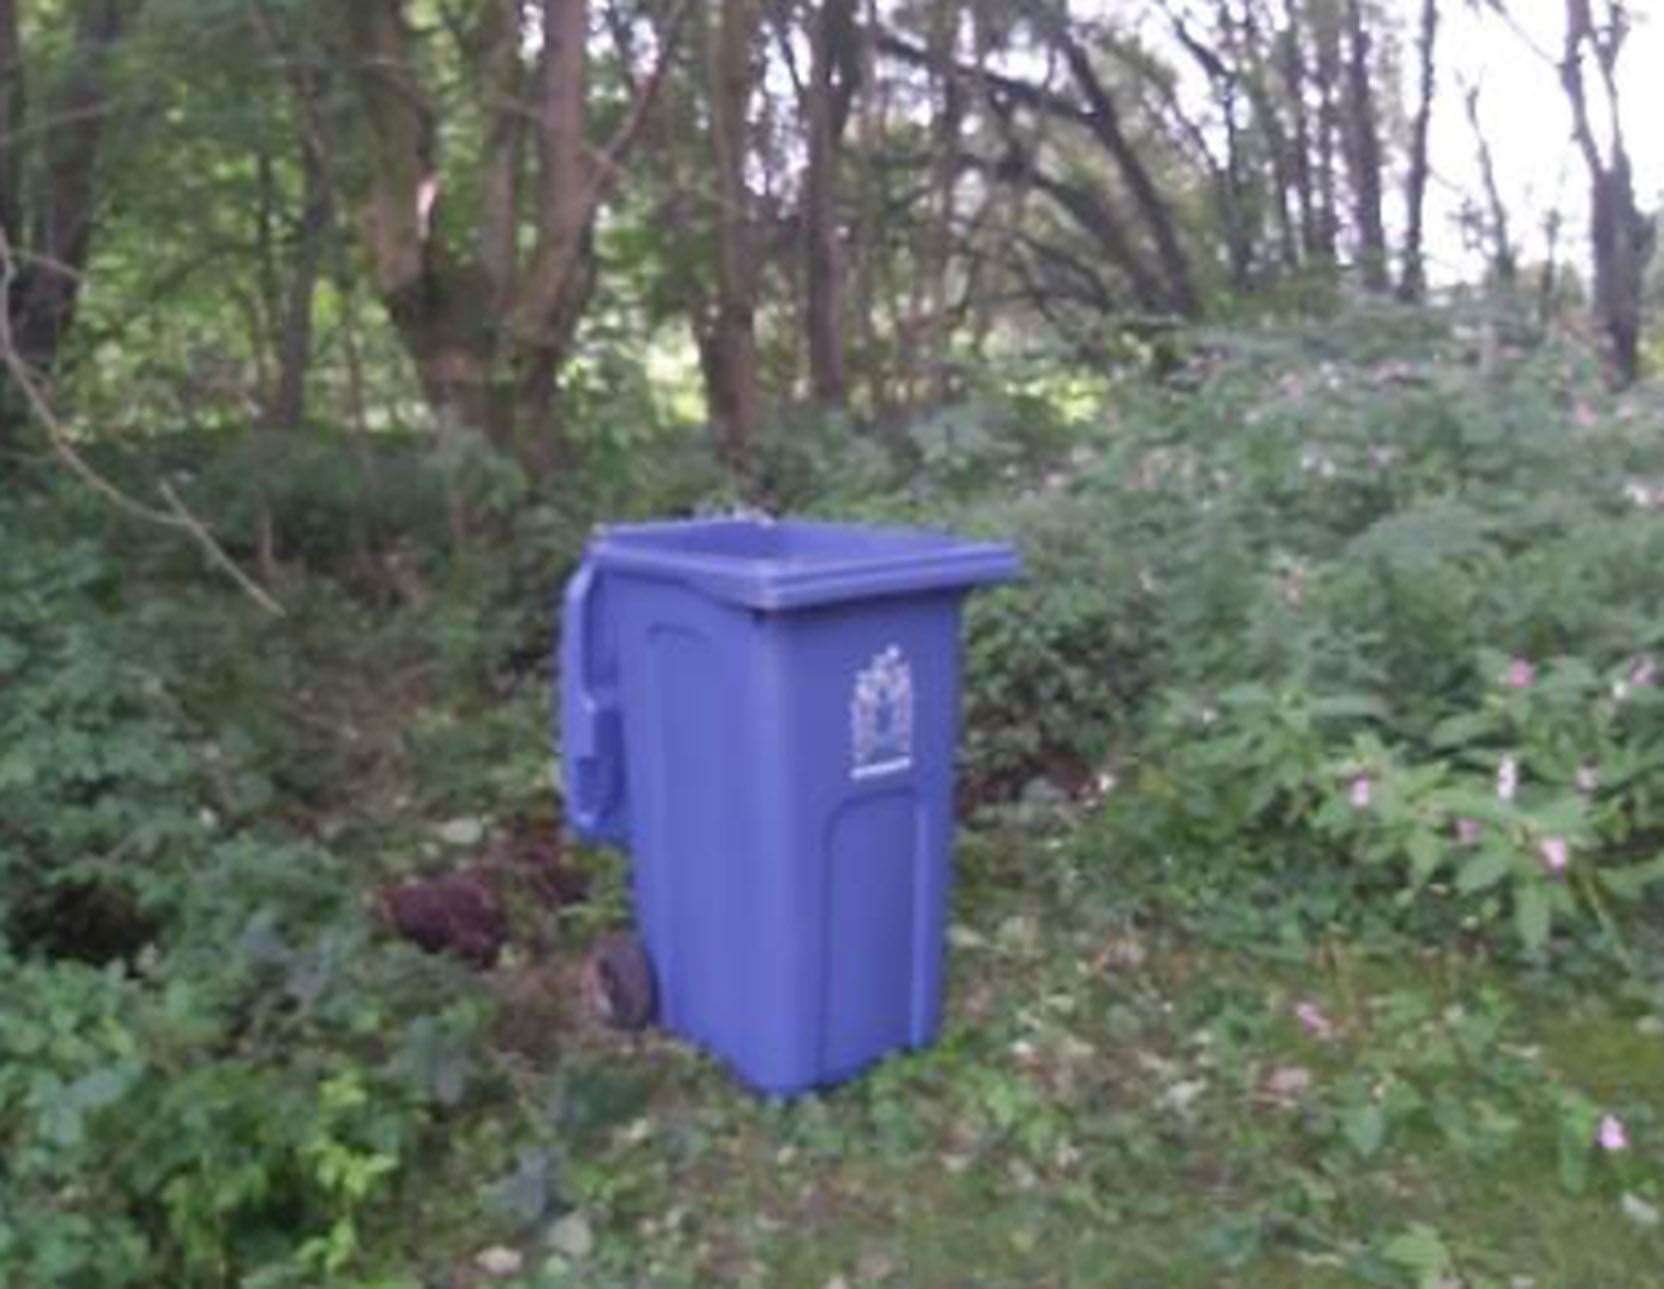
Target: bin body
[(765, 715)]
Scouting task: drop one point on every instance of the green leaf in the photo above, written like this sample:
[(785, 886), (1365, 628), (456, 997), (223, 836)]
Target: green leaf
[(1365, 1127), (1484, 870), (1247, 695), (1426, 852), (1629, 882), (1341, 706), (1637, 1210), (1466, 728), (1577, 1131), (1531, 916), (102, 1087), (1566, 813), (1421, 1250)]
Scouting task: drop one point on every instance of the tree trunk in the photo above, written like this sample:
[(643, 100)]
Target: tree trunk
[(12, 415), (1502, 259), (729, 352), (561, 274), (1259, 51), (832, 47), (1550, 281), (1363, 151), (1104, 121), (1622, 236), (1412, 285), (51, 231), (294, 357), (871, 127), (1238, 224), (1329, 127), (265, 308), (936, 333), (11, 120), (1292, 62), (488, 327)]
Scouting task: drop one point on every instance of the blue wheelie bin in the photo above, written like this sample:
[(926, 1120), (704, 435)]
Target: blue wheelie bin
[(764, 714)]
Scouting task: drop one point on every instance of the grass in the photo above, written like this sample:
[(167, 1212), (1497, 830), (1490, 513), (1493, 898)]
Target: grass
[(1114, 1101)]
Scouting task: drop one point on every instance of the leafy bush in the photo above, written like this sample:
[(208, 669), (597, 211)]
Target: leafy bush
[(1375, 586), (211, 1068)]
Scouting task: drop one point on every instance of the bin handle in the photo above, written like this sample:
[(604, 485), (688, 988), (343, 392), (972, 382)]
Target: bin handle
[(585, 713)]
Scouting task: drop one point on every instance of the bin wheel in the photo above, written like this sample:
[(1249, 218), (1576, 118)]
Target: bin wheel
[(619, 982)]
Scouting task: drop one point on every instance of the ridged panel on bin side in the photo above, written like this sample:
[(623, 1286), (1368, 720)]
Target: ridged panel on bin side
[(872, 862), (683, 667), (685, 697)]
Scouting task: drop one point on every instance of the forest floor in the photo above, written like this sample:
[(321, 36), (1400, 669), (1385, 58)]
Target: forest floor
[(1141, 1081), (1119, 1101)]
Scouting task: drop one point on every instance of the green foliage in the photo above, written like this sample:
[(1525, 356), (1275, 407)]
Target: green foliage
[(1287, 617), (1372, 587), (1055, 667), (210, 1068), (97, 774)]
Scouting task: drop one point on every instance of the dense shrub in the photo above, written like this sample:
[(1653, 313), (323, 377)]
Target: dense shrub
[(1384, 582), (211, 1068)]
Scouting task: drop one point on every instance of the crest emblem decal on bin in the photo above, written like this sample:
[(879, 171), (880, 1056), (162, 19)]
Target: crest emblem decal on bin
[(881, 715)]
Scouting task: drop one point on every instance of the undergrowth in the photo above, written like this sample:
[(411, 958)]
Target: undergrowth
[(1337, 658)]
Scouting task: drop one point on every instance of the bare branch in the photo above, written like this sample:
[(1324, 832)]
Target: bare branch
[(176, 516)]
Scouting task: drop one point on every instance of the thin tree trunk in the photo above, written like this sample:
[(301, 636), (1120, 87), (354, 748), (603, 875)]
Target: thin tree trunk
[(1363, 151), (502, 87), (1550, 282), (1412, 285), (1502, 259), (1292, 62), (729, 354), (1279, 160), (946, 127), (870, 132), (295, 338), (832, 32), (1328, 129), (11, 121), (47, 289), (1237, 223), (1622, 236), (266, 310), (12, 412)]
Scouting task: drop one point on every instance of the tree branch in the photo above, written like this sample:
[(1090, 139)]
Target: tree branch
[(1019, 92), (176, 516)]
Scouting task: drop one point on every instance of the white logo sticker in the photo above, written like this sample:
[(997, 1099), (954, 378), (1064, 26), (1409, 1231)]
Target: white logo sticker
[(881, 715)]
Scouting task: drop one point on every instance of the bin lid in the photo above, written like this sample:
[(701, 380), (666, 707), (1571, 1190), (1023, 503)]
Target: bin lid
[(793, 563)]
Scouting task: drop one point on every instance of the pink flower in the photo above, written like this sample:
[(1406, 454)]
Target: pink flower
[(1587, 779), (1507, 778), (1467, 832), (1555, 854), (1360, 792), (1643, 671), (1313, 1021), (1611, 1135), (1520, 675)]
